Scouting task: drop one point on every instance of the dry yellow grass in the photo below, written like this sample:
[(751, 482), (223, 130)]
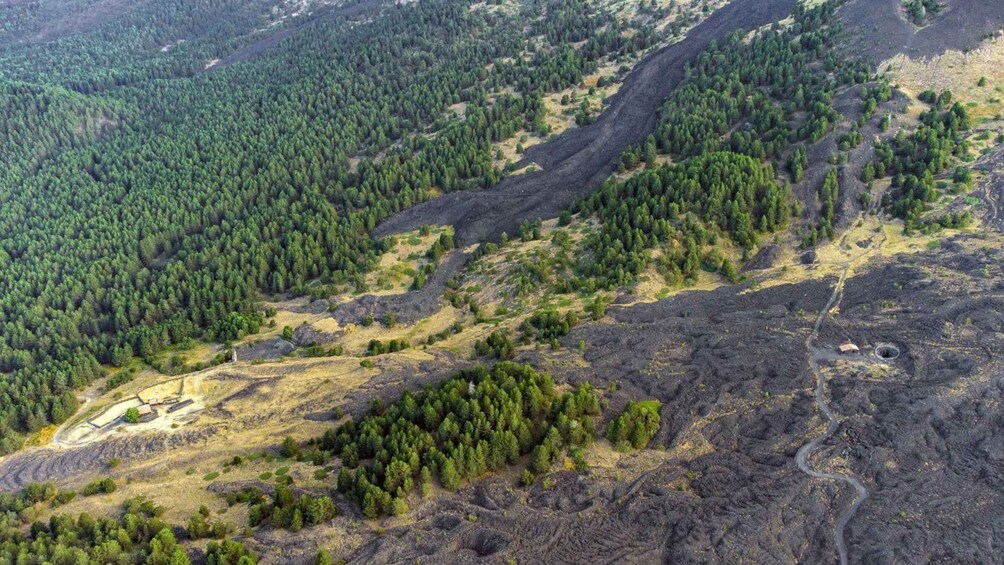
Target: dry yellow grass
[(356, 337), (508, 147), (280, 394), (198, 352), (394, 274), (833, 256), (561, 117), (652, 286), (626, 11), (491, 273), (458, 110), (960, 73), (41, 437), (292, 313), (398, 266)]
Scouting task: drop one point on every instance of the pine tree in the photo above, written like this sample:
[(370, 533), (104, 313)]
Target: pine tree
[(369, 507), (729, 271), (398, 507), (540, 460), (448, 476), (290, 448), (425, 486)]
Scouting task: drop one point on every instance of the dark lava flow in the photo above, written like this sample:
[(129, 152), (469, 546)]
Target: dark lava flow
[(578, 161), (574, 164)]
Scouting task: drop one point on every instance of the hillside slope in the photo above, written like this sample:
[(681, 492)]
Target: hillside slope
[(746, 258)]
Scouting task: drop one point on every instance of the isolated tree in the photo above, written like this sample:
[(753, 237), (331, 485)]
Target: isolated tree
[(132, 415), (448, 476), (398, 507), (369, 506), (290, 448)]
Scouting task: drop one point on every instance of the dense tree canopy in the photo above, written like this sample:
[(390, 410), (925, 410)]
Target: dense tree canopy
[(479, 420), (682, 208), (636, 425), (913, 159), (138, 536), (147, 202), (744, 110)]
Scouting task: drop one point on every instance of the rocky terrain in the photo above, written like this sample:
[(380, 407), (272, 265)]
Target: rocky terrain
[(910, 468), (732, 373), (578, 161), (881, 28)]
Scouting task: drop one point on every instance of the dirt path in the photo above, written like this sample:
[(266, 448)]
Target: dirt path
[(70, 423), (801, 458)]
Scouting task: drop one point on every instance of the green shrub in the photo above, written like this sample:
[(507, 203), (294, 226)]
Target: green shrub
[(636, 425), (99, 486)]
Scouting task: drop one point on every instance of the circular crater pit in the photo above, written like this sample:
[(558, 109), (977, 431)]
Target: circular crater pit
[(886, 351), (488, 542)]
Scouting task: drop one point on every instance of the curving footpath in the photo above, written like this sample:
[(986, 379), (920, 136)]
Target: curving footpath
[(801, 458), (71, 422)]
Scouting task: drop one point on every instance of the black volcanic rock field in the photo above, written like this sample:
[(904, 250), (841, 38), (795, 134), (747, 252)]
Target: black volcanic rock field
[(922, 431), (919, 408), (578, 161)]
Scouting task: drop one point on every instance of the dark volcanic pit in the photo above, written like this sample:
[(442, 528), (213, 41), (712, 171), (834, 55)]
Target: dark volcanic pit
[(886, 351)]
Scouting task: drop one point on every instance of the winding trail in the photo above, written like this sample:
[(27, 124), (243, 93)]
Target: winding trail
[(72, 422), (801, 458)]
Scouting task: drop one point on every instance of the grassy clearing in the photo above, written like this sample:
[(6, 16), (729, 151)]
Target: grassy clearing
[(396, 270), (832, 256), (41, 437), (182, 357), (976, 78), (504, 284), (252, 406)]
